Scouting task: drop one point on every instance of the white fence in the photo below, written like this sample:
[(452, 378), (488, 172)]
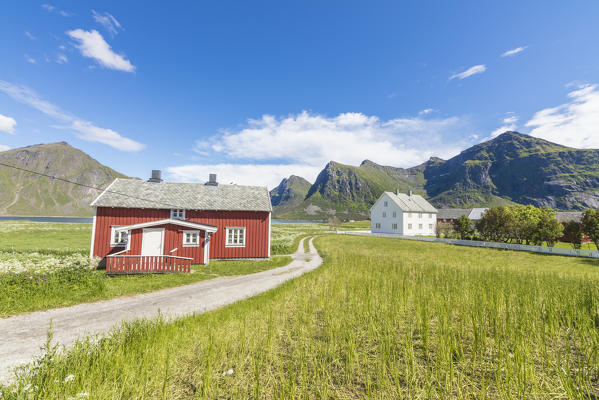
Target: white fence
[(477, 243)]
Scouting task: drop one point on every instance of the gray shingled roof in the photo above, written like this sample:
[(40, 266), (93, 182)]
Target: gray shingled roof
[(413, 203), (452, 213), (134, 193)]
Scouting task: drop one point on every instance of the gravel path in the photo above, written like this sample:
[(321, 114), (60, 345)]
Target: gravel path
[(21, 336)]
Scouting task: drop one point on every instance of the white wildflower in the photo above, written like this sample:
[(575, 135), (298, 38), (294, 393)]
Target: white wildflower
[(229, 372), (69, 378), (26, 388)]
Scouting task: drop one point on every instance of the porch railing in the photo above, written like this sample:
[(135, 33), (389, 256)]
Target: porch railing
[(130, 264)]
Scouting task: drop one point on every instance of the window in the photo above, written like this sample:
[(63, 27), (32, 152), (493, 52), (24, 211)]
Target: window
[(377, 225), (430, 216), (430, 226), (177, 213), (117, 238), (409, 226), (384, 214), (235, 237), (386, 204), (394, 214), (420, 215), (394, 226), (419, 226), (409, 215), (191, 238)]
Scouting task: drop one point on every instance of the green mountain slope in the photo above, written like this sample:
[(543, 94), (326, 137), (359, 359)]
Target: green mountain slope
[(512, 168), (289, 194), (517, 168), (349, 191), (23, 193)]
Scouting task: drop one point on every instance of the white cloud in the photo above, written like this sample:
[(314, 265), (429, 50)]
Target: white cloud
[(7, 124), (426, 111), (4, 147), (268, 149), (86, 130), (51, 8), (30, 36), (62, 59), (501, 130), (510, 119), (108, 21), (513, 52), (349, 138), (91, 44), (30, 59), (269, 175), (476, 69), (574, 124)]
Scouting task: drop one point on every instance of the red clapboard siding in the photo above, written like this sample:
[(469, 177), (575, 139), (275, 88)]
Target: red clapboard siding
[(255, 222)]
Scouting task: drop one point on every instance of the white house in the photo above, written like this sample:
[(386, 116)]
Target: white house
[(403, 214)]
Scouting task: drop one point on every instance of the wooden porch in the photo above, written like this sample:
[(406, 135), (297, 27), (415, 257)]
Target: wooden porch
[(117, 264)]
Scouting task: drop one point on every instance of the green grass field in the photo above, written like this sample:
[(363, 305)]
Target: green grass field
[(381, 319)]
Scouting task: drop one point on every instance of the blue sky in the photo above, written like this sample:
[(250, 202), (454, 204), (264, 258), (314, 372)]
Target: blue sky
[(256, 92)]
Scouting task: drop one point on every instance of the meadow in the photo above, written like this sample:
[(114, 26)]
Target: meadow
[(46, 265), (381, 319)]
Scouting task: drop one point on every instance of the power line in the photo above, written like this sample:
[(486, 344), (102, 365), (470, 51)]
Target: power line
[(87, 186)]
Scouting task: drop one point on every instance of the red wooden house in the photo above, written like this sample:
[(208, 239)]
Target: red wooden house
[(158, 226)]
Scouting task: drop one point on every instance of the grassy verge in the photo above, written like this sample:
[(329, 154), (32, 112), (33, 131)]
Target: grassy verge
[(382, 318), (25, 292)]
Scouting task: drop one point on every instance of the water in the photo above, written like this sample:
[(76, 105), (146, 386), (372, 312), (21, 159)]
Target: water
[(282, 221), (76, 220)]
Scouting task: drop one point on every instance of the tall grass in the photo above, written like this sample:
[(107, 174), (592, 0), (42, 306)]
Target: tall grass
[(382, 318)]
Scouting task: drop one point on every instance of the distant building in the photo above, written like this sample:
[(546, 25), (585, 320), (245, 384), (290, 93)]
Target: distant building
[(451, 215), (403, 214)]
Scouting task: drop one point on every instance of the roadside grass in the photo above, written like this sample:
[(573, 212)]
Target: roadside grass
[(26, 292), (381, 319)]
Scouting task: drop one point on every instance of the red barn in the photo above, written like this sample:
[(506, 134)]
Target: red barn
[(158, 226)]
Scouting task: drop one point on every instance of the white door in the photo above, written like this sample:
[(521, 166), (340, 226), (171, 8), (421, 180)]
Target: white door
[(151, 242)]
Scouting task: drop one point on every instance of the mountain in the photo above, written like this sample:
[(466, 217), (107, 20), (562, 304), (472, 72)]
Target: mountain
[(24, 193), (511, 168), (517, 168), (349, 191), (290, 193)]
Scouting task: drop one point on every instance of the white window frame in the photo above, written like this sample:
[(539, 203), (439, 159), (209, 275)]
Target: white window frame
[(384, 214), (409, 215), (430, 226), (377, 225), (234, 244), (122, 243), (430, 216), (386, 204), (394, 214), (190, 244), (394, 226), (420, 226), (420, 215), (409, 226), (177, 213)]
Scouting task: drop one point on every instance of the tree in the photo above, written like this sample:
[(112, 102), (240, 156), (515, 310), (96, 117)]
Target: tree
[(334, 223), (525, 223), (548, 228), (464, 227), (573, 234), (444, 229), (590, 223), (496, 224)]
